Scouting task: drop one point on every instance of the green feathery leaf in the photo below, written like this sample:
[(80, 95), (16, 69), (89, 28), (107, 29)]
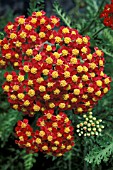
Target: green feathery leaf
[(60, 12), (29, 159), (8, 120), (101, 151), (35, 5)]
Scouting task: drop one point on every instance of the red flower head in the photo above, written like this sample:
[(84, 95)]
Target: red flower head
[(107, 15), (56, 69), (55, 136)]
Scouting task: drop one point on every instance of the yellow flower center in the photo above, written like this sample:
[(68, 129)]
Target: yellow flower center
[(56, 54), (99, 53), (21, 21), (73, 60), (84, 50), (49, 138), (41, 133), (18, 44), (38, 141), (85, 77), (26, 68), (79, 69), (90, 89), (36, 108), (28, 27), (42, 89), (6, 46), (16, 87), (29, 52), (75, 52), (79, 40), (64, 52), (58, 39), (49, 60), (55, 74), (13, 35), (13, 97), (38, 57), (74, 100), (79, 109), (63, 83), (56, 91), (31, 92), (33, 70), (67, 40), (26, 103), (65, 30), (6, 88), (20, 78), (49, 48), (62, 105), (99, 83), (67, 130), (9, 77), (21, 96), (42, 34), (74, 78), (46, 97), (76, 92), (23, 34), (89, 56)]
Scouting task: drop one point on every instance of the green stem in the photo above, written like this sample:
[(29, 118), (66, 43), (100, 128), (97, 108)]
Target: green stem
[(87, 27), (85, 152), (96, 33), (101, 5), (95, 17), (70, 163)]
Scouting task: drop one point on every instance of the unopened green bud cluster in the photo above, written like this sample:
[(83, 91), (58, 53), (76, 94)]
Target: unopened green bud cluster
[(90, 127)]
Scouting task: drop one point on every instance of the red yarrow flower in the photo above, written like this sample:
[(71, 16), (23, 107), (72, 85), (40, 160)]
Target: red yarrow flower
[(107, 15), (55, 136)]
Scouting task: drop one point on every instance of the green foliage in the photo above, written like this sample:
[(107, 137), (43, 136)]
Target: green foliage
[(8, 120), (35, 5), (107, 44), (100, 152), (13, 158), (88, 153), (29, 160), (60, 12), (4, 19)]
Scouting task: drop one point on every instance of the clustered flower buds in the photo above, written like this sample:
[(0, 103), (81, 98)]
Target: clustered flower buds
[(54, 135), (56, 68), (90, 127), (107, 14)]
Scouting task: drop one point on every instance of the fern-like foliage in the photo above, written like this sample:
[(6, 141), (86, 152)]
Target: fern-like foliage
[(61, 13), (8, 121), (29, 160), (102, 151), (107, 46), (35, 5), (4, 19)]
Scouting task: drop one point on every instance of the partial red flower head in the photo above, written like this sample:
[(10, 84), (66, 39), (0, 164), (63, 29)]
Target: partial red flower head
[(107, 15), (54, 137)]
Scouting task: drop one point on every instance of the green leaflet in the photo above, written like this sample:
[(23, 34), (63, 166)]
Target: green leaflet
[(99, 154), (8, 121), (35, 5), (60, 12)]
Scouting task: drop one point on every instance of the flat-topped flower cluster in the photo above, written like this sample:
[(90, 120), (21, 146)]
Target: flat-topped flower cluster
[(55, 134), (54, 69)]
